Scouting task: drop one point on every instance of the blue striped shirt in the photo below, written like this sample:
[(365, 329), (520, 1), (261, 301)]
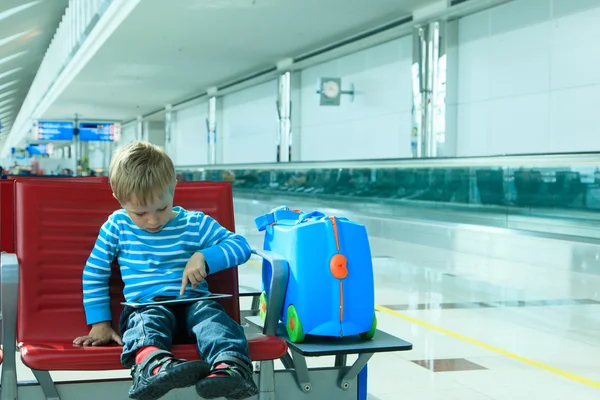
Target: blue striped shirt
[(152, 264)]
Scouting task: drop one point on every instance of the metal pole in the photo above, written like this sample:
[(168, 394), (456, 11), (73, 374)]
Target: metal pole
[(76, 144), (211, 128), (284, 108), (140, 128), (429, 89), (168, 124)]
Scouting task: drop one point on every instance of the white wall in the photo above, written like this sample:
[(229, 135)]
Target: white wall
[(528, 78), (128, 133), (378, 123), (249, 125), (154, 132), (188, 144)]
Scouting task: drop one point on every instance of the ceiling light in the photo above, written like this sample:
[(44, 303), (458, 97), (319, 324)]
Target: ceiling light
[(7, 93), (14, 10), (9, 39), (6, 108), (12, 71), (4, 102), (12, 57), (5, 85)]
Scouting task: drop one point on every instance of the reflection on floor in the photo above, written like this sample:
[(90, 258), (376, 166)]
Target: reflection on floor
[(481, 329)]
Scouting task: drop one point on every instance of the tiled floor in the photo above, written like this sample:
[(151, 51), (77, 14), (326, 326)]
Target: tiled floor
[(481, 329)]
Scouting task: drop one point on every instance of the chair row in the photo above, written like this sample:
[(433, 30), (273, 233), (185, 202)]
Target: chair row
[(54, 224)]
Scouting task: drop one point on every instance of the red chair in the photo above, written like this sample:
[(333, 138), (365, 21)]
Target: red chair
[(7, 227), (7, 224), (54, 239)]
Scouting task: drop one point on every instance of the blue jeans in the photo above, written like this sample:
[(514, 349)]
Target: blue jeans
[(216, 335)]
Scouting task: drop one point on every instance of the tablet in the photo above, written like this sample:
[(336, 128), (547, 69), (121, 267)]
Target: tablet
[(165, 300)]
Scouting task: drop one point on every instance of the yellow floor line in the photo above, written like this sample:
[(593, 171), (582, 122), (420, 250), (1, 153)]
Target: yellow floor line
[(478, 343), (483, 345)]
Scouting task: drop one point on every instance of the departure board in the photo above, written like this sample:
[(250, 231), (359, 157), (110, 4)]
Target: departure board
[(99, 131)]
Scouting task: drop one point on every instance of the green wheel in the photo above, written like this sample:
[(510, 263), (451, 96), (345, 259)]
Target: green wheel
[(371, 333), (294, 326), (263, 306)]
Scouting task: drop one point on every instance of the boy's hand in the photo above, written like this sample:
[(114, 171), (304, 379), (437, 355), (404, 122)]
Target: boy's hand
[(194, 272), (100, 334)]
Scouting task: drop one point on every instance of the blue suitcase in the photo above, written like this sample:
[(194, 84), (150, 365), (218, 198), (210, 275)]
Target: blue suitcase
[(331, 289)]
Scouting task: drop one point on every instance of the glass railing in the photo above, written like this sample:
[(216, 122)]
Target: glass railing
[(563, 187)]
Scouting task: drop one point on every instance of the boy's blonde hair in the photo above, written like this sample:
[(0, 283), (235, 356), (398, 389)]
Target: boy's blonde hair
[(141, 170)]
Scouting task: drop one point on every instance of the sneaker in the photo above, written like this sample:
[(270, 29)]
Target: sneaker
[(228, 379), (160, 372)]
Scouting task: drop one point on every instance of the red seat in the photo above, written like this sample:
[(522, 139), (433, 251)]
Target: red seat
[(54, 239)]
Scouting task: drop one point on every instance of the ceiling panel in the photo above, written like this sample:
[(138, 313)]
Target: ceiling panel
[(167, 51)]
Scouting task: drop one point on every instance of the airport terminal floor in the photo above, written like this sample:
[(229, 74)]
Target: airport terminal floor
[(482, 328)]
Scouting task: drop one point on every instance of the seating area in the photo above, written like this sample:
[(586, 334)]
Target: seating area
[(51, 231)]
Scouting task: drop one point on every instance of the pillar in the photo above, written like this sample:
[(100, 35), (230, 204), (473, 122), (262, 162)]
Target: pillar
[(211, 130), (168, 125), (139, 133), (284, 111), (429, 74)]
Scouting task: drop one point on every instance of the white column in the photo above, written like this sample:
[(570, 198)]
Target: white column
[(139, 134), (168, 125), (284, 109), (429, 73), (211, 130)]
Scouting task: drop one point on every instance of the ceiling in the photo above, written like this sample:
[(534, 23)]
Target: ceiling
[(168, 51), (26, 29)]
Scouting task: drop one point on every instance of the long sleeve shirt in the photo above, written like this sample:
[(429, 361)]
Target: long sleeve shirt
[(152, 264)]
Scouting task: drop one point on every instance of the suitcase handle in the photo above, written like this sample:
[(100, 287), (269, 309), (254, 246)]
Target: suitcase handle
[(276, 215), (308, 215)]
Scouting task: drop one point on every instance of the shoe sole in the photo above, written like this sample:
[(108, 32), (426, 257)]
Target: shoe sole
[(183, 376), (228, 387)]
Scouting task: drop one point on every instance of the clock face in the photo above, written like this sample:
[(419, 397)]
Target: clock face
[(331, 89)]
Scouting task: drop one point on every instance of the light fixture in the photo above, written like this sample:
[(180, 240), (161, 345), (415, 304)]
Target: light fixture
[(5, 85), (6, 108), (4, 102), (10, 72), (12, 57), (18, 9), (9, 39), (6, 94)]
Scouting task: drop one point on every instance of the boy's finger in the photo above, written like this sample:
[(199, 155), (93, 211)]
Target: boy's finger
[(184, 283), (117, 338), (198, 276)]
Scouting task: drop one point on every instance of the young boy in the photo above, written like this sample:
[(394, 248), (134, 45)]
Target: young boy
[(165, 251)]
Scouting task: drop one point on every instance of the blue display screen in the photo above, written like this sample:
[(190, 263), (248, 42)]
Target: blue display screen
[(37, 148), (99, 131), (52, 130)]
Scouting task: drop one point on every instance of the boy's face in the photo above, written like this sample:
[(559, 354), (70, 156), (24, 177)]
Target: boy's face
[(154, 216)]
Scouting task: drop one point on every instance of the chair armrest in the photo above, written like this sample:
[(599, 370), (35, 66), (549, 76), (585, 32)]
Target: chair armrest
[(277, 288), (9, 295)]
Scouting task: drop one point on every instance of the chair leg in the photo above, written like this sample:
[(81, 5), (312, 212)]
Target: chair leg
[(255, 307), (266, 380), (9, 383), (46, 383)]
